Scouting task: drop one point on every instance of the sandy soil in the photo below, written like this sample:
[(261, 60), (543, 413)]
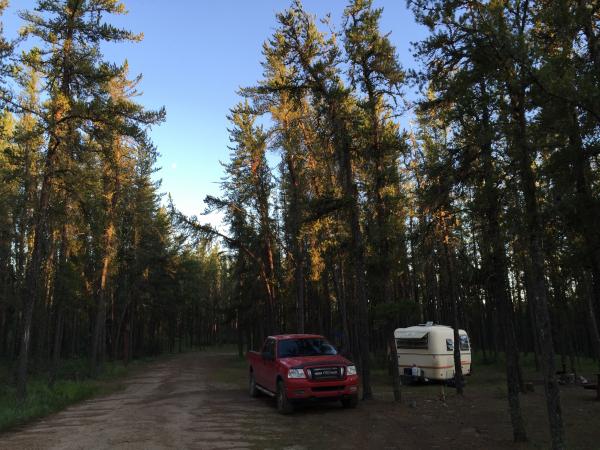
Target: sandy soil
[(198, 400)]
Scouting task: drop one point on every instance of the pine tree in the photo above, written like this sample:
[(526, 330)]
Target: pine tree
[(72, 65)]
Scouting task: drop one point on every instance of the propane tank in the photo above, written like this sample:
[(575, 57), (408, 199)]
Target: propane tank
[(415, 371)]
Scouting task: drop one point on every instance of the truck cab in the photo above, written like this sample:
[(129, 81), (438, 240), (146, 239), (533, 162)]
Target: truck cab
[(300, 367)]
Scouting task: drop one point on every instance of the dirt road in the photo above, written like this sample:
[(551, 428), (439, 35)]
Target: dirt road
[(199, 401), (183, 402), (172, 404)]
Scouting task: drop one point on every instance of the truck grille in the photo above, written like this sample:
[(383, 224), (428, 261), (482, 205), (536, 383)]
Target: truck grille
[(326, 373)]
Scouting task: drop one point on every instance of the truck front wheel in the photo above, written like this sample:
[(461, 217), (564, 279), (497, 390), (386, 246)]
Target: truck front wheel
[(252, 386), (284, 406)]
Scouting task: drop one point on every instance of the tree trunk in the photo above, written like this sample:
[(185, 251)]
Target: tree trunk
[(59, 293), (340, 295), (34, 272), (296, 244), (495, 264), (111, 188), (587, 213), (394, 364), (591, 313), (533, 237), (359, 274), (458, 375)]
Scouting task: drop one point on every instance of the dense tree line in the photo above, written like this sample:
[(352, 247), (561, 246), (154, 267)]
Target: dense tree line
[(480, 215), (91, 264)]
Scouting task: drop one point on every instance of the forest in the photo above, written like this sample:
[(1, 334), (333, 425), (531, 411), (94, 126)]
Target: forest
[(474, 204)]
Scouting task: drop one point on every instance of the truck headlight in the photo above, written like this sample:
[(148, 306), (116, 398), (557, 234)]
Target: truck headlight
[(296, 373), (351, 370)]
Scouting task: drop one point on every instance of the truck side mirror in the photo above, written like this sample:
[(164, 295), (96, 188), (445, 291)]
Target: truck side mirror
[(268, 356)]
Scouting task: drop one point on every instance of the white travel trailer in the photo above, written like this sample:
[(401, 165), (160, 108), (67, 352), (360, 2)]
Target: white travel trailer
[(426, 351)]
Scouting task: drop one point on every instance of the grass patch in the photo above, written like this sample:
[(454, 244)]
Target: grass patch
[(42, 400), (219, 348), (493, 372), (234, 372), (73, 385)]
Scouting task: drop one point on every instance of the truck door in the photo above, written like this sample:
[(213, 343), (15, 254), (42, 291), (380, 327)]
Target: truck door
[(271, 365), (265, 367)]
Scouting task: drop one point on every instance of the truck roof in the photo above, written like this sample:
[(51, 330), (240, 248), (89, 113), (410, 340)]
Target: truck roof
[(280, 337)]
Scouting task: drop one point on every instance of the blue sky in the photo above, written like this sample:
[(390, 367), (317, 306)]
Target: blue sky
[(194, 57)]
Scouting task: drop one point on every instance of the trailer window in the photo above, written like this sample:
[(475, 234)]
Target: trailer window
[(464, 343), (410, 343)]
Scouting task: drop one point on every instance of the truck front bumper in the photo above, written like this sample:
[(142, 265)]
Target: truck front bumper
[(303, 389)]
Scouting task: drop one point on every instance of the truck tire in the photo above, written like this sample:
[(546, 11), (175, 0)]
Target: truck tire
[(284, 406), (350, 402), (254, 392)]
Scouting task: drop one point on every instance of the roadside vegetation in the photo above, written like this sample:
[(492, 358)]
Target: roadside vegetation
[(72, 384)]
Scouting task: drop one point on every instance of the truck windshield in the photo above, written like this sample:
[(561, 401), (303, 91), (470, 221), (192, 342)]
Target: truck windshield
[(289, 348)]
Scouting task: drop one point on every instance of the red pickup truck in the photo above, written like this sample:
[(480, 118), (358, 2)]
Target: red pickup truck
[(296, 367)]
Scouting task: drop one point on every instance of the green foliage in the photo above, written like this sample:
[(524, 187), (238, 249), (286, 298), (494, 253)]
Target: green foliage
[(72, 386)]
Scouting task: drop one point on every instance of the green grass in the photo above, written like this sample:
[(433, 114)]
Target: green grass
[(42, 400), (234, 372), (584, 366), (72, 385)]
